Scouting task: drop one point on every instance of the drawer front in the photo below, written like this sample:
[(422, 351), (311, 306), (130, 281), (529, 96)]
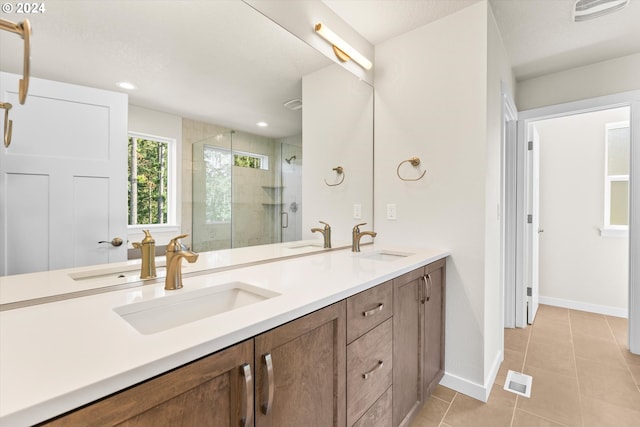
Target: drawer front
[(380, 414), (368, 309), (369, 369)]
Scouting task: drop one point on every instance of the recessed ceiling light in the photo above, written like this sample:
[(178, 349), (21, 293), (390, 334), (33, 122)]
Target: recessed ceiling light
[(262, 124), (126, 85)]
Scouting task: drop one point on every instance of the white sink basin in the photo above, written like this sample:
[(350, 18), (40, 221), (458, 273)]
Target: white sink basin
[(307, 246), (161, 314), (383, 255), (116, 274)]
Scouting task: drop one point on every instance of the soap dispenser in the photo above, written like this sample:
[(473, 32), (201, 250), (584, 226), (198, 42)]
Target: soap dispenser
[(148, 249)]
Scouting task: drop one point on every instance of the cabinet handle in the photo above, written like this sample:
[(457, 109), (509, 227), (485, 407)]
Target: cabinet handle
[(266, 407), (429, 286), (366, 375), (373, 310), (245, 371), (424, 290)]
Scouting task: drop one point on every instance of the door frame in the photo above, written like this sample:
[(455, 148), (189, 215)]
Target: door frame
[(508, 205), (629, 99)]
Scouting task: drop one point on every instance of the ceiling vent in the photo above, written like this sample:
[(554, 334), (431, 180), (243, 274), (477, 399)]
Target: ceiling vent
[(584, 10), (294, 104)]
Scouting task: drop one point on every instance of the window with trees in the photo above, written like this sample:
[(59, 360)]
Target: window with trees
[(150, 166), (218, 164)]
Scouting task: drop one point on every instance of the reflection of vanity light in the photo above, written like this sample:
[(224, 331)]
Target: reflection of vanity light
[(126, 85), (262, 124), (342, 49)]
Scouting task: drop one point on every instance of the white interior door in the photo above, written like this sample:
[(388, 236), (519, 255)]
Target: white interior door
[(533, 223), (63, 179)]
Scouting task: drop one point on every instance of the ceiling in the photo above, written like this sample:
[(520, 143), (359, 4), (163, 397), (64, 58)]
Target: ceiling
[(219, 61), (539, 35), (223, 62)]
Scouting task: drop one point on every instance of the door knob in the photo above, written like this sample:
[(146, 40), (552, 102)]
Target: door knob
[(116, 241), (540, 230)]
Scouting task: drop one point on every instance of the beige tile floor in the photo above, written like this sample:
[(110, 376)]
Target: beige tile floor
[(583, 375)]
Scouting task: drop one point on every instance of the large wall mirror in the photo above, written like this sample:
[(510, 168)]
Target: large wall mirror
[(208, 76)]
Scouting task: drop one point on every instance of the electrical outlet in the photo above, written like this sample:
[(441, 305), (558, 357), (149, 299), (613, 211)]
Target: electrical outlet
[(357, 211), (391, 211)]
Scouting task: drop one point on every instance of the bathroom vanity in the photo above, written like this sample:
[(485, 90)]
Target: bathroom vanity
[(332, 338)]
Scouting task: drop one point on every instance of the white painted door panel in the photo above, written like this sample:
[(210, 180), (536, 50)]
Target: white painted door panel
[(63, 180)]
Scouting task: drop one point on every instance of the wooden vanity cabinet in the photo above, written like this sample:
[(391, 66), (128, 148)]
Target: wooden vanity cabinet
[(370, 360), (370, 356), (215, 391), (418, 338), (300, 371)]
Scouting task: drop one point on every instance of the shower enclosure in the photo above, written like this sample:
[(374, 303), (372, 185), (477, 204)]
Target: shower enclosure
[(247, 191)]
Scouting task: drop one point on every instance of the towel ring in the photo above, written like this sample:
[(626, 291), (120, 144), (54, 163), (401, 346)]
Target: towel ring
[(415, 162), (340, 171), (22, 29), (8, 124)]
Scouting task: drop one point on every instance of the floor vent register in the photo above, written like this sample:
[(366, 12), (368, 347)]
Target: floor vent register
[(518, 383)]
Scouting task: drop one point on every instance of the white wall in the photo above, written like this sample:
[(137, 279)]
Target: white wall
[(437, 97), (336, 131), (602, 78), (156, 123), (498, 71), (577, 265)]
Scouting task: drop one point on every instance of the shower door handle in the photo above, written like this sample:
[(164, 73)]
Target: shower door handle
[(285, 215)]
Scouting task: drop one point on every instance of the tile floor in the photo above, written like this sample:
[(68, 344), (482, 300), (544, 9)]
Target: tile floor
[(583, 375)]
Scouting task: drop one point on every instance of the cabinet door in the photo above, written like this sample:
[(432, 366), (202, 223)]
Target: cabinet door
[(434, 297), (407, 342), (301, 371), (216, 391)]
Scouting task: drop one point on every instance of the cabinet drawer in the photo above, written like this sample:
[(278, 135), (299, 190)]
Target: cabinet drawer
[(368, 309), (369, 369), (380, 414)]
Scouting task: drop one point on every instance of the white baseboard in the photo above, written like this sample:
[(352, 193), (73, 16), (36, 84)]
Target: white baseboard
[(585, 306), (472, 389)]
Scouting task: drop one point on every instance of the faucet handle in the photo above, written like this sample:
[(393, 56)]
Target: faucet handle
[(174, 245), (357, 227), (325, 224)]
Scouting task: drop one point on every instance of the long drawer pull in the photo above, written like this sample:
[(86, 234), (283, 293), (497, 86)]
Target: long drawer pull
[(247, 420), (429, 286), (366, 375), (373, 310), (266, 407)]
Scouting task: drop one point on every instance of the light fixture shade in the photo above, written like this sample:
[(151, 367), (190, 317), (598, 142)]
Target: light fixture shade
[(324, 32)]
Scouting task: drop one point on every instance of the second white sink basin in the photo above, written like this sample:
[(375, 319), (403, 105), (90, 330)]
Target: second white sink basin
[(161, 314), (383, 255)]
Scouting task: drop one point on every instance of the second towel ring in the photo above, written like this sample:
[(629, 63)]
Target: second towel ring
[(340, 171), (415, 162)]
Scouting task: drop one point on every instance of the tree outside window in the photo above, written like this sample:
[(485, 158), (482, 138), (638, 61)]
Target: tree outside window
[(148, 181)]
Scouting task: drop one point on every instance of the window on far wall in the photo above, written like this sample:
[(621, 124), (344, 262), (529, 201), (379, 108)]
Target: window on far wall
[(218, 163), (616, 189), (151, 200)]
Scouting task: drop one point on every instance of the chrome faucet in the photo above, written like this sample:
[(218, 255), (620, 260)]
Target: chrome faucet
[(148, 249), (175, 253), (326, 233), (356, 235)]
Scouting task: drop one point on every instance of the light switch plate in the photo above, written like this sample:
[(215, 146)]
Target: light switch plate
[(357, 211), (391, 211)]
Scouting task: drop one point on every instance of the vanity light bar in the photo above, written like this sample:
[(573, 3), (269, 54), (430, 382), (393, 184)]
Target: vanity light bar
[(342, 47)]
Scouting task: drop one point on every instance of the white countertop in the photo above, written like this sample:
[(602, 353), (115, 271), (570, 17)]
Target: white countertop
[(24, 287), (57, 356)]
